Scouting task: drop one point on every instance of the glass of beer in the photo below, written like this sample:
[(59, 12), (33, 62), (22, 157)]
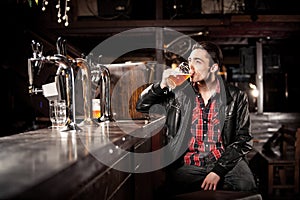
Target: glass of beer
[(182, 74), (96, 108)]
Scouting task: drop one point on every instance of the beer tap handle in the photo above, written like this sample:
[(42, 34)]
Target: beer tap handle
[(58, 45), (39, 63), (34, 49), (30, 76), (40, 48), (99, 58), (64, 47), (30, 67), (83, 55)]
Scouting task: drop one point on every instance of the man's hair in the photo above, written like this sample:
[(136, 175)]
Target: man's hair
[(213, 50)]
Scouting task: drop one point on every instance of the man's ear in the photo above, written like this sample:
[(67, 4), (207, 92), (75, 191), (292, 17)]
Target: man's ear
[(214, 67)]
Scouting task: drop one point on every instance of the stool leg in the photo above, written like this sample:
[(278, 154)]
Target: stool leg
[(282, 176), (296, 178), (270, 179)]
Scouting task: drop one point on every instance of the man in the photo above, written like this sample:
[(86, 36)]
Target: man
[(211, 135)]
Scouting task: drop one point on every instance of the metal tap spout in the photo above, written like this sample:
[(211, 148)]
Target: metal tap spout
[(34, 66), (31, 74), (87, 91), (105, 98), (65, 82)]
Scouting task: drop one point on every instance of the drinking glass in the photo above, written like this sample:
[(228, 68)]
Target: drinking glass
[(52, 113), (182, 74), (61, 112), (96, 108)]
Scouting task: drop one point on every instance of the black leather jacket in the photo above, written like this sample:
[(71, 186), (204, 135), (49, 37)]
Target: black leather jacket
[(236, 134)]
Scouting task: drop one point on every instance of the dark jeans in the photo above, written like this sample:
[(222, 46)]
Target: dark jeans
[(188, 178)]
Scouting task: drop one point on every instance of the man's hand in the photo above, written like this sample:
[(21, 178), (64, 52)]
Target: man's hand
[(166, 74), (210, 182)]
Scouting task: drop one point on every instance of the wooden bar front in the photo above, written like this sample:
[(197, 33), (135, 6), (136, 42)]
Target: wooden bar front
[(87, 164)]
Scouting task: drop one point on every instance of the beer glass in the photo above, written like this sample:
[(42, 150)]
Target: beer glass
[(57, 113), (182, 74), (96, 108), (61, 112), (52, 114)]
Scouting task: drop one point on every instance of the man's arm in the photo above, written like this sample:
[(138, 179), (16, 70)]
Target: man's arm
[(242, 138), (153, 94)]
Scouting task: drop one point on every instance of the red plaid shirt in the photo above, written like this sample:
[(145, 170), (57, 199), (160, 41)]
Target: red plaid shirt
[(206, 142)]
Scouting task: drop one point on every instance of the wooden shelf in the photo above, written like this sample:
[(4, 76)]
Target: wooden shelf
[(277, 26)]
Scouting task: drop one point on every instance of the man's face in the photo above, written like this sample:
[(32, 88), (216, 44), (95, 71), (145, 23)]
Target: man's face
[(200, 69)]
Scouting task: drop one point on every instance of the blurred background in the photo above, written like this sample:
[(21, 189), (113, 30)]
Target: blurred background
[(241, 27)]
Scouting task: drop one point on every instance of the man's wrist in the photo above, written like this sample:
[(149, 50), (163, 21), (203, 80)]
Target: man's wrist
[(163, 85), (158, 90)]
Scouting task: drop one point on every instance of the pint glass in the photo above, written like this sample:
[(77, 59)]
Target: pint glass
[(183, 74)]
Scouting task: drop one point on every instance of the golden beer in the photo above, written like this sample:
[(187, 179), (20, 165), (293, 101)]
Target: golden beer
[(176, 80)]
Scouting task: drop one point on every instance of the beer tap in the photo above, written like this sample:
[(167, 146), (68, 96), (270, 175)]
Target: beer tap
[(105, 99), (65, 69), (61, 46), (64, 79), (35, 69), (87, 91)]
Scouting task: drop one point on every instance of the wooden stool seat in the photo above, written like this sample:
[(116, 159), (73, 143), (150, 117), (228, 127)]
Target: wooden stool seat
[(218, 195)]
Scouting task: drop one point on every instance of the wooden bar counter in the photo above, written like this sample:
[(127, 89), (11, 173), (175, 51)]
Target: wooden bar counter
[(94, 163)]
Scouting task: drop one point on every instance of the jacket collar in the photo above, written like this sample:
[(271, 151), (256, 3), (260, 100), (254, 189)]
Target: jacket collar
[(225, 96)]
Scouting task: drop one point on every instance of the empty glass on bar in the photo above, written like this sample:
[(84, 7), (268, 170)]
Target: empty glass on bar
[(57, 113), (61, 112), (52, 113)]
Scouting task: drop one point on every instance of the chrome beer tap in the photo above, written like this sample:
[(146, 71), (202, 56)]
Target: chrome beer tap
[(64, 79), (105, 98), (35, 68), (65, 69), (86, 91)]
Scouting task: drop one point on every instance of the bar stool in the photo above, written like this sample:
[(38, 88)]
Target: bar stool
[(282, 170)]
